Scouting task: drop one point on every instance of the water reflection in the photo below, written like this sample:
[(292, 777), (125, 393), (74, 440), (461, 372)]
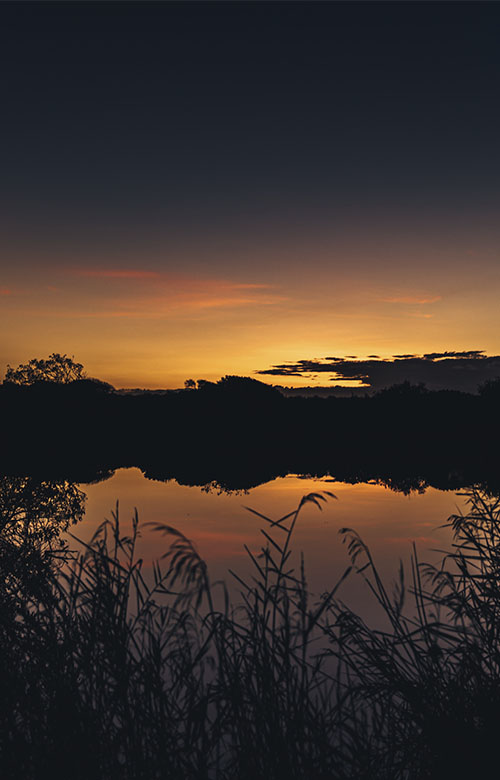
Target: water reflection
[(35, 514), (33, 517), (220, 525), (105, 664)]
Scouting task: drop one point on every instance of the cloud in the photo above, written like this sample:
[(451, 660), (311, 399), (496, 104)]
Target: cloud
[(229, 301), (116, 273), (413, 299), (158, 309), (164, 295), (468, 353), (459, 370), (244, 286), (172, 280)]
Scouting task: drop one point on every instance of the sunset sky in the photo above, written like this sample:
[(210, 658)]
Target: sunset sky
[(193, 190)]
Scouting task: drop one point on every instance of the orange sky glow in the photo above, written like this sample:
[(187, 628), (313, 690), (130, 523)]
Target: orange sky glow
[(153, 324)]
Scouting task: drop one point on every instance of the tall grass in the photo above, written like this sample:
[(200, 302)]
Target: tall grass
[(107, 672)]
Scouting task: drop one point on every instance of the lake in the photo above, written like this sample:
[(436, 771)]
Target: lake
[(220, 524)]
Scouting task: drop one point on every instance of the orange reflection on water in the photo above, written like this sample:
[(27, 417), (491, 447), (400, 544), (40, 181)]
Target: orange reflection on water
[(220, 525)]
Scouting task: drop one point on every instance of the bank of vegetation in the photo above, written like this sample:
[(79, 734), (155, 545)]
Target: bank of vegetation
[(239, 432), (110, 671)]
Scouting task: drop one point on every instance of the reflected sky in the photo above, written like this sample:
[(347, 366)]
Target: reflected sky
[(220, 525)]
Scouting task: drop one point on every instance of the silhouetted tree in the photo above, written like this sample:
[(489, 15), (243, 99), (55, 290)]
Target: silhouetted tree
[(490, 389), (404, 391), (56, 368), (248, 387), (204, 384), (90, 387)]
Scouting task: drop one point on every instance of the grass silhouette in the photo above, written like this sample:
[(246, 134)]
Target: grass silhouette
[(116, 674)]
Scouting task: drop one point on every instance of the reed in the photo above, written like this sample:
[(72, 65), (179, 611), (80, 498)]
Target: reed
[(108, 672)]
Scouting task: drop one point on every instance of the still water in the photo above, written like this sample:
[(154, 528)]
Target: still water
[(220, 525)]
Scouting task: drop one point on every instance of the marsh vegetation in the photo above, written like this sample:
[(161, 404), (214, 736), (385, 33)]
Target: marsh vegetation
[(115, 670)]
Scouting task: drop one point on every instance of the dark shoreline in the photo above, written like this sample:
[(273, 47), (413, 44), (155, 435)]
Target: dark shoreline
[(241, 433)]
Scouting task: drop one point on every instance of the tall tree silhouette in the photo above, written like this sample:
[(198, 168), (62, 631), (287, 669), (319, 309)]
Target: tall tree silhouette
[(56, 368)]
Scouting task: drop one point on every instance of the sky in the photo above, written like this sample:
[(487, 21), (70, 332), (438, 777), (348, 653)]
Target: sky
[(199, 189)]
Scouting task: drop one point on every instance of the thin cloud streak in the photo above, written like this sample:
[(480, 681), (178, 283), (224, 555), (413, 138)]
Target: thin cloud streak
[(158, 308), (412, 300), (175, 280), (168, 294), (213, 303), (115, 273)]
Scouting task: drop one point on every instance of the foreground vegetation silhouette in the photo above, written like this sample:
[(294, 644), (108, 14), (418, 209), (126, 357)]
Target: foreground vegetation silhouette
[(118, 672)]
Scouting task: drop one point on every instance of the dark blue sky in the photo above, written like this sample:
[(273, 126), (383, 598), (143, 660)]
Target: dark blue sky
[(169, 112)]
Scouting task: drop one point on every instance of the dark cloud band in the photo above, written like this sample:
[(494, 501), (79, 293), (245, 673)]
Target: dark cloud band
[(459, 370)]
